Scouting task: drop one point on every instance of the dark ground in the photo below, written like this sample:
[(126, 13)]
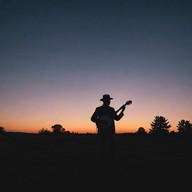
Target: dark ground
[(31, 160)]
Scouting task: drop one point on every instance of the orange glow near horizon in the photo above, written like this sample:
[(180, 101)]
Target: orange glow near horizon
[(126, 125), (32, 114)]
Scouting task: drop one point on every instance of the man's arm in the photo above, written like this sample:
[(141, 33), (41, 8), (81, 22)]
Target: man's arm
[(94, 117), (117, 117)]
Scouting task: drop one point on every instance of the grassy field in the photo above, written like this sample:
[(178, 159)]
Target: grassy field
[(31, 159)]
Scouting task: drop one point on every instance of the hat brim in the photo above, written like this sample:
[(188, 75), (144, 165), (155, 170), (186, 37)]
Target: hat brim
[(106, 99)]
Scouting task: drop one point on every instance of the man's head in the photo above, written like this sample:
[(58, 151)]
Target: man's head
[(106, 99)]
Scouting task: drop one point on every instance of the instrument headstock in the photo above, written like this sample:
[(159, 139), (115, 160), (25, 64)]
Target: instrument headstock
[(128, 102)]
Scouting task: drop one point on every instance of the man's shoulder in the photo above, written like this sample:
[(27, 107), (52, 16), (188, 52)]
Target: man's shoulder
[(100, 107), (104, 107)]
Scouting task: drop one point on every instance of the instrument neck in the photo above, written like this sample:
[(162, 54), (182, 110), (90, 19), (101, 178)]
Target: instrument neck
[(119, 108)]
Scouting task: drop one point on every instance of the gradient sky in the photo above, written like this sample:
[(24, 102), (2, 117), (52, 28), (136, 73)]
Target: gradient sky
[(59, 57)]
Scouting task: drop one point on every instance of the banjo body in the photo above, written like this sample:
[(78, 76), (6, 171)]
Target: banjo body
[(105, 121)]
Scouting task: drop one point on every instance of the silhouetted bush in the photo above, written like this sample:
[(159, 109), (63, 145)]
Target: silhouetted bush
[(141, 131), (44, 131), (2, 130)]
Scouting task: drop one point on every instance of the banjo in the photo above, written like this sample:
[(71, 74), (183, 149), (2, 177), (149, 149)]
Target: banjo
[(106, 121)]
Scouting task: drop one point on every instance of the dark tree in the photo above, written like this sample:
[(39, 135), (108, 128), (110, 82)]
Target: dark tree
[(160, 126), (184, 127), (58, 129), (2, 130)]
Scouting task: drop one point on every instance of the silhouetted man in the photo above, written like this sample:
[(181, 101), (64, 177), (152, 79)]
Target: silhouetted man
[(104, 116)]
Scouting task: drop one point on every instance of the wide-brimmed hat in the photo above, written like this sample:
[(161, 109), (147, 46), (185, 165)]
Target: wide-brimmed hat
[(106, 97)]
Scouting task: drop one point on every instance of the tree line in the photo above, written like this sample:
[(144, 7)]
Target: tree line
[(159, 126)]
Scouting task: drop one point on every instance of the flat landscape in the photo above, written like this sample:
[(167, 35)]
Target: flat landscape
[(32, 159)]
